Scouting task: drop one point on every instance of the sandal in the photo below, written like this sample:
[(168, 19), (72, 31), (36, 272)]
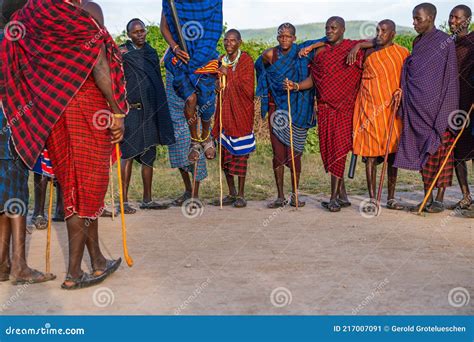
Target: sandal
[(152, 205), (342, 203), (84, 280), (393, 204), (37, 278), (106, 213), (226, 201), (195, 151), (468, 213), (278, 203), (334, 206), (128, 209), (435, 207), (301, 204), (5, 273), (240, 202), (181, 199), (110, 267), (39, 222), (416, 208), (463, 204), (208, 145)]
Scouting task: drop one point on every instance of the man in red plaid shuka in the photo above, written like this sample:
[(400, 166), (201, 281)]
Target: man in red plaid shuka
[(336, 79), (68, 68)]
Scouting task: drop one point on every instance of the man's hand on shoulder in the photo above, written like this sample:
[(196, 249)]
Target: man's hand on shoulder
[(267, 56)]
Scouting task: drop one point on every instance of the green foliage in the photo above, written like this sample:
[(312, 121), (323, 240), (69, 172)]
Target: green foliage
[(405, 40)]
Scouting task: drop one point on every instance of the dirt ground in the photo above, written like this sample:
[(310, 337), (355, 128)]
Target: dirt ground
[(260, 261)]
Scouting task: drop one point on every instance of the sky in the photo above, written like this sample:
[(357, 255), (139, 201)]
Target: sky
[(245, 14)]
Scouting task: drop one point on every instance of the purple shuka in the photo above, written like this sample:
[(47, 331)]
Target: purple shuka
[(430, 94)]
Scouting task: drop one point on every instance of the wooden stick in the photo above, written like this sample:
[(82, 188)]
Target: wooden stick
[(48, 238), (385, 160), (445, 162), (128, 259), (293, 164), (112, 195), (221, 91)]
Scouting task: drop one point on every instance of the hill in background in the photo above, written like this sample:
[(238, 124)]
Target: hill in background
[(354, 30)]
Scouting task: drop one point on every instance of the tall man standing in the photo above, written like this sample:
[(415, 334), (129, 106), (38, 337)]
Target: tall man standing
[(238, 93), (459, 21), (379, 94), (336, 78), (430, 93), (148, 123), (70, 88), (201, 27), (273, 68)]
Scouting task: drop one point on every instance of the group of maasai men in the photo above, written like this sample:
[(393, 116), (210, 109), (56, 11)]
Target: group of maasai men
[(62, 76)]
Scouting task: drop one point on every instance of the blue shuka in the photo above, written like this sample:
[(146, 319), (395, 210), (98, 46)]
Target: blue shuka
[(201, 25), (270, 81)]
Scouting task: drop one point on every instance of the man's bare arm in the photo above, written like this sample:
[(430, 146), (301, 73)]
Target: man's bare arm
[(165, 31)]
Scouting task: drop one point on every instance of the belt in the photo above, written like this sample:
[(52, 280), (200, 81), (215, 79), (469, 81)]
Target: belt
[(137, 106)]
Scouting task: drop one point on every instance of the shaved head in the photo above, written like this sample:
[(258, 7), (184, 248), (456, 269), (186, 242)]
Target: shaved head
[(287, 26), (465, 9), (234, 32), (338, 20), (430, 9), (389, 23)]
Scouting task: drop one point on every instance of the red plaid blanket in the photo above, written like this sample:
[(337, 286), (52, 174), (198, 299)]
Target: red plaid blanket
[(45, 66)]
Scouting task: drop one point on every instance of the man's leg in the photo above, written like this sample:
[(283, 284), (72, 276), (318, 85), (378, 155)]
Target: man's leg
[(77, 235), (371, 174), (279, 174), (59, 213), (188, 188), (147, 177), (191, 115), (231, 184), (41, 185), (461, 174), (98, 260), (296, 173), (5, 234), (19, 268)]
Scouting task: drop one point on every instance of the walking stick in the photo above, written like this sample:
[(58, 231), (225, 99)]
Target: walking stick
[(112, 190), (385, 159), (48, 238), (295, 185), (222, 81), (445, 161), (128, 259)]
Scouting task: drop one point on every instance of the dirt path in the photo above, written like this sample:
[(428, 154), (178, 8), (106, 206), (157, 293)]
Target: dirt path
[(259, 261)]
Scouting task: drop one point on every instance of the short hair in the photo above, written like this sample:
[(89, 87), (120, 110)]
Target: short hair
[(428, 7), (389, 23), (287, 26), (11, 6), (133, 20), (337, 19), (236, 32), (467, 11)]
